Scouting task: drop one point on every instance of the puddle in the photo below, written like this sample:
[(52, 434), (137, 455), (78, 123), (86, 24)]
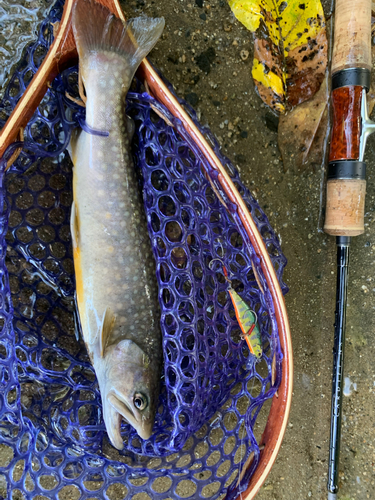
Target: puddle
[(349, 387), (19, 22)]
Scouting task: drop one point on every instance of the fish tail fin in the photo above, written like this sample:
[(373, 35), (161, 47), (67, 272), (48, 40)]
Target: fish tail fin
[(97, 30)]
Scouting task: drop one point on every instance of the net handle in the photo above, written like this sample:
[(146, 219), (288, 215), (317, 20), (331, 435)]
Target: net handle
[(63, 54)]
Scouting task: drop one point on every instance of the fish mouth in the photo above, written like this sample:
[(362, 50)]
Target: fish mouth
[(123, 408)]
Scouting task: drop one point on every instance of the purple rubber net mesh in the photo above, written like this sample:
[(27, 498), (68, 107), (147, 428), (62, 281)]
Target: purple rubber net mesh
[(52, 433)]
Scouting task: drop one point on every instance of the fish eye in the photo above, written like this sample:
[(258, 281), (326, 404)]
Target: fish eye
[(140, 401)]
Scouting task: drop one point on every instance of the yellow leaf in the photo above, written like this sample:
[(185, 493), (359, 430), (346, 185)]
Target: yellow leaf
[(270, 81), (290, 48), (248, 13)]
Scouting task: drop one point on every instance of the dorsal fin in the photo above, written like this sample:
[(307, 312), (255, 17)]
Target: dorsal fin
[(106, 328)]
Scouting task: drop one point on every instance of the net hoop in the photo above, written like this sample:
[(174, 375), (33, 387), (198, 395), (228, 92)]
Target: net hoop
[(279, 413)]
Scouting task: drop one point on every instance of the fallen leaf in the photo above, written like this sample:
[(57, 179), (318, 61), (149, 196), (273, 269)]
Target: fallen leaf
[(273, 373), (244, 468), (290, 48), (303, 132)]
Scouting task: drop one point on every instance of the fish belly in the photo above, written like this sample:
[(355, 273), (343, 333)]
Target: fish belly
[(113, 260)]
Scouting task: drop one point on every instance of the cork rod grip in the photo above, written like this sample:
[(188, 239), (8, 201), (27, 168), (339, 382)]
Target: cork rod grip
[(345, 207), (352, 35)]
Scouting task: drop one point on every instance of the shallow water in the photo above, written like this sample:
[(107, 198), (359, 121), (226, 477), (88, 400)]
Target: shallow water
[(200, 55), (19, 21)]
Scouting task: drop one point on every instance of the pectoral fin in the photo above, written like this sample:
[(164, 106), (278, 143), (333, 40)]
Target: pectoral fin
[(73, 143), (107, 326), (74, 228)]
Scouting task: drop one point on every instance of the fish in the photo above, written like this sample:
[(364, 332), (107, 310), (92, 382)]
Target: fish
[(247, 320), (116, 286)]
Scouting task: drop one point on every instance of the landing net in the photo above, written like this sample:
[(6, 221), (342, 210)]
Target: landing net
[(53, 440)]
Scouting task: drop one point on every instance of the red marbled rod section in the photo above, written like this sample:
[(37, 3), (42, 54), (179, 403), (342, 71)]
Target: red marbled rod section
[(346, 128)]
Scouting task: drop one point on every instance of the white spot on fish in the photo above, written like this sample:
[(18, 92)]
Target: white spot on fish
[(101, 192)]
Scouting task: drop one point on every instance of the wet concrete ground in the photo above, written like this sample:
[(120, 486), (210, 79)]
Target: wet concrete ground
[(204, 54)]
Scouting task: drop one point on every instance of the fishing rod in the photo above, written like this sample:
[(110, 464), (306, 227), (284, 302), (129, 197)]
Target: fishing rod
[(346, 183)]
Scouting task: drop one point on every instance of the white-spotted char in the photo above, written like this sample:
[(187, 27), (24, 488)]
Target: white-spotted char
[(116, 285)]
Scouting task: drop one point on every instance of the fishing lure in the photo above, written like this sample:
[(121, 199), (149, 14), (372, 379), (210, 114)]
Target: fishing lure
[(247, 319)]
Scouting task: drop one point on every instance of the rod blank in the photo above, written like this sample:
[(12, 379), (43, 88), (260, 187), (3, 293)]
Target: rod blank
[(338, 363)]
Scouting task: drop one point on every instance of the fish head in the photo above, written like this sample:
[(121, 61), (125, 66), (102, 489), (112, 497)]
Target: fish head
[(129, 390)]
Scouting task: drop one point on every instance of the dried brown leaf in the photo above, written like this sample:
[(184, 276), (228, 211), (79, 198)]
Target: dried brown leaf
[(302, 132)]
